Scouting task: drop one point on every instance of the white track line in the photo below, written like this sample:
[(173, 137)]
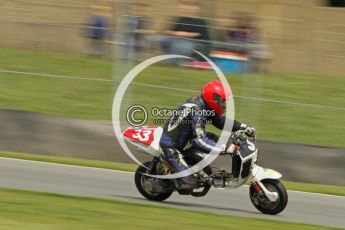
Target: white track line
[(174, 88), (126, 172), (65, 165)]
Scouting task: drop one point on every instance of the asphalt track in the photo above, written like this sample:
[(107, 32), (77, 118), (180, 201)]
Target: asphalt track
[(306, 208)]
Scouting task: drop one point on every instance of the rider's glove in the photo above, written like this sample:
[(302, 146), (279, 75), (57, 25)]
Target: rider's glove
[(249, 131), (231, 150)]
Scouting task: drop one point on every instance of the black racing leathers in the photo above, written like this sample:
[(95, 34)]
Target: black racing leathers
[(186, 130)]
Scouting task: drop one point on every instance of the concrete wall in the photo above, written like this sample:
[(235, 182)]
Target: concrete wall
[(305, 36), (51, 135)]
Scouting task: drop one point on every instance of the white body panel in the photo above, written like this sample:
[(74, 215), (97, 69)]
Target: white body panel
[(260, 173), (153, 148)]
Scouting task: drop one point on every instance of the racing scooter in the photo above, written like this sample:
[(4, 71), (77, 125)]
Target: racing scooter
[(266, 191)]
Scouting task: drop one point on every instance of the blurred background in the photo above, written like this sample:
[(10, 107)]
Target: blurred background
[(61, 62), (296, 37)]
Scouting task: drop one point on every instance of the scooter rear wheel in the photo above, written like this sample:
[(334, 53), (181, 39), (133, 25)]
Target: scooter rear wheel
[(141, 179)]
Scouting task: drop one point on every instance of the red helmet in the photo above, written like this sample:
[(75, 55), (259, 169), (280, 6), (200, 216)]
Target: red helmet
[(215, 95)]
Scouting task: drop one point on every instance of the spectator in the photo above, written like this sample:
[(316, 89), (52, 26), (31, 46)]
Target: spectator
[(187, 33), (238, 33), (136, 31), (241, 31), (98, 29), (245, 37), (258, 52)]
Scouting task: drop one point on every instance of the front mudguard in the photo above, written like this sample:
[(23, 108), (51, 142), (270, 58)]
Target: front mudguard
[(259, 174)]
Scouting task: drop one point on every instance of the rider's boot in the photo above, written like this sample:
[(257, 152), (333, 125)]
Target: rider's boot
[(177, 163)]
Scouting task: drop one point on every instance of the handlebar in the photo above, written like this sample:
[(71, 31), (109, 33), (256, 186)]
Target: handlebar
[(242, 135), (237, 138)]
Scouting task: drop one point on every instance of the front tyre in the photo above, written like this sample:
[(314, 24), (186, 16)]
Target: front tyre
[(145, 184), (263, 204)]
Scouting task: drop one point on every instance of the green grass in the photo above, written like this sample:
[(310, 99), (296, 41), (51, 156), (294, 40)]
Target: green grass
[(305, 187), (318, 188), (33, 211), (93, 99)]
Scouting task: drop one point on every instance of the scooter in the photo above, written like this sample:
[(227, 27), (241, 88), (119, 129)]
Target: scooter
[(266, 191)]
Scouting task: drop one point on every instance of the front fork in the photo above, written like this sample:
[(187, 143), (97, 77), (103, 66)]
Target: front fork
[(262, 190)]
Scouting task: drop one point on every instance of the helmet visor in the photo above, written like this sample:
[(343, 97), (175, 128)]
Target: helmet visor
[(221, 102)]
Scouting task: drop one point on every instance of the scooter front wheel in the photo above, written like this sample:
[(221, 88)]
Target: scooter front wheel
[(263, 204)]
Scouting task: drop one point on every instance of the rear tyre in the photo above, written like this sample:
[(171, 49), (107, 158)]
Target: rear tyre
[(263, 204), (141, 179)]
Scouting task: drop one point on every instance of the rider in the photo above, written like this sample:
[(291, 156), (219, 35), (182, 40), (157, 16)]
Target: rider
[(185, 130)]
